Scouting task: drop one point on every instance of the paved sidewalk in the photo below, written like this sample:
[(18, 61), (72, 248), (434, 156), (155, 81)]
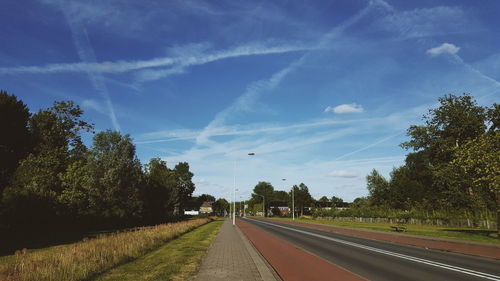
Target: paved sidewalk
[(232, 258)]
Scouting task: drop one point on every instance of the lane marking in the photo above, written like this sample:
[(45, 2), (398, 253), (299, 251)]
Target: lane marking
[(394, 254)]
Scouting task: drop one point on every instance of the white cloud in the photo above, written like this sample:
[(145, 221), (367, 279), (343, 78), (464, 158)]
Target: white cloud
[(343, 174), (345, 108), (445, 48)]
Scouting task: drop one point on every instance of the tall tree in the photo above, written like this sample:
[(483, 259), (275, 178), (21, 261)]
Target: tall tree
[(378, 187), (57, 142), (184, 184), (337, 201), (457, 120), (221, 207), (159, 192), (265, 189), (15, 136), (115, 176), (302, 196), (479, 160)]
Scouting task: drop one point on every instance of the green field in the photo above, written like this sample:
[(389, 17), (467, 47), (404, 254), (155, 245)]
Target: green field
[(178, 259), (468, 234)]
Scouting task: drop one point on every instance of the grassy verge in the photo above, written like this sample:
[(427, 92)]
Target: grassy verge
[(176, 260), (468, 234), (89, 257)]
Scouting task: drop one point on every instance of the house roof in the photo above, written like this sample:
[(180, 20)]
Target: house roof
[(206, 204)]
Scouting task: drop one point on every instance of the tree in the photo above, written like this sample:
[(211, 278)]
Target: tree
[(302, 196), (457, 120), (280, 198), (337, 201), (114, 177), (378, 187), (37, 180), (184, 184), (206, 198), (60, 127), (479, 160), (323, 202), (221, 207), (159, 193), (15, 141), (494, 117), (263, 189)]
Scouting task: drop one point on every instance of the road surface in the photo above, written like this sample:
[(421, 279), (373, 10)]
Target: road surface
[(377, 260)]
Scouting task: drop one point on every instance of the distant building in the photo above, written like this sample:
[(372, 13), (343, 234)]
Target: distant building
[(206, 208)]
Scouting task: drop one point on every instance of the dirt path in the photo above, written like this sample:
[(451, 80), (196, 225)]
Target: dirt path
[(489, 251), (293, 263)]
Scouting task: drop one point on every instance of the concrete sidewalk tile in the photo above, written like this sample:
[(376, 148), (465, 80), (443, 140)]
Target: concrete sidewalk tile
[(230, 259)]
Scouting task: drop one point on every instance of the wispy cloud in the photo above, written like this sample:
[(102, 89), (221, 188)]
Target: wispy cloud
[(343, 174), (177, 63), (86, 54), (256, 89), (251, 49), (445, 48), (345, 108)]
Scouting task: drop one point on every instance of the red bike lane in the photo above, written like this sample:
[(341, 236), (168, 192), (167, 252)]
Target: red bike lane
[(291, 262)]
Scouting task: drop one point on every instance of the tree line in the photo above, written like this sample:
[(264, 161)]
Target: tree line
[(50, 178), (279, 198), (453, 165)]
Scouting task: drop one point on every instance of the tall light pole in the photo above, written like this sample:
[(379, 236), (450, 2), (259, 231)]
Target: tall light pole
[(293, 205), (234, 188)]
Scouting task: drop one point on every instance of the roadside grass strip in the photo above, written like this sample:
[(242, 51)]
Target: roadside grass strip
[(467, 234), (89, 257), (178, 259)]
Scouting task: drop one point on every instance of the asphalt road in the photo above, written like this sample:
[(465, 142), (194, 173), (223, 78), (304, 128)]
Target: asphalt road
[(377, 260)]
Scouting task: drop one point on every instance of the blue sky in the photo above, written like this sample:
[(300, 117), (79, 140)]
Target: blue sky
[(321, 91)]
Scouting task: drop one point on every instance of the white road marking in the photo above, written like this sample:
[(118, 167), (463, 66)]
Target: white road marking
[(402, 256)]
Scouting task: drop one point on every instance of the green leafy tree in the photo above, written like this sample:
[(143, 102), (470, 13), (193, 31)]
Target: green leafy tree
[(280, 198), (37, 180), (457, 120), (479, 161), (31, 199), (302, 197), (206, 198), (159, 192), (336, 201), (378, 187), (115, 176), (323, 202), (184, 184), (60, 127), (265, 189), (15, 142), (221, 207), (494, 117)]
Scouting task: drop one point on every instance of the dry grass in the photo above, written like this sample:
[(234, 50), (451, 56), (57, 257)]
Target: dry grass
[(85, 259)]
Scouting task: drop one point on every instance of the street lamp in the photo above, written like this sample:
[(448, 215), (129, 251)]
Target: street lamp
[(263, 204), (293, 205), (234, 188)]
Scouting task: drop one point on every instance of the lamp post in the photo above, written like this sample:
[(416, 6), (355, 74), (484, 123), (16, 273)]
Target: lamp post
[(234, 188), (263, 204), (293, 205)]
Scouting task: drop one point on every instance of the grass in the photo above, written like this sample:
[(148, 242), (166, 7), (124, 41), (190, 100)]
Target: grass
[(178, 259), (468, 234), (89, 257)]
